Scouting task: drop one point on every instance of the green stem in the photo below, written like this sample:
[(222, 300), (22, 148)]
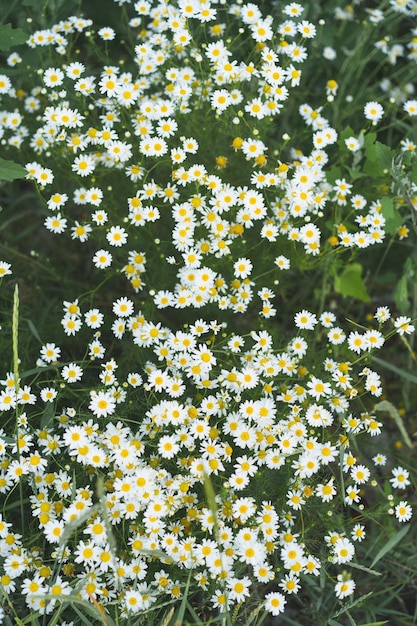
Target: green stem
[(15, 331), (15, 344)]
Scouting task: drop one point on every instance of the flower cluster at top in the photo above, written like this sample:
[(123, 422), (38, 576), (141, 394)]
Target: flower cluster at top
[(173, 156), (149, 127)]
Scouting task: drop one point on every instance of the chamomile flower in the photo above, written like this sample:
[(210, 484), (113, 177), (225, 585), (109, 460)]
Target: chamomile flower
[(305, 320), (48, 394), (242, 268), (343, 550), (71, 324), (56, 201), (344, 587), (53, 77), (71, 373), (5, 269), (410, 107), (102, 259), (84, 165), (400, 478), (373, 111), (117, 236), (352, 144), (358, 533), (102, 404), (403, 511), (106, 33), (50, 353), (403, 325), (123, 307)]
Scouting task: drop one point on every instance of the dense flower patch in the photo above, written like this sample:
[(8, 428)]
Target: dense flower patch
[(181, 433)]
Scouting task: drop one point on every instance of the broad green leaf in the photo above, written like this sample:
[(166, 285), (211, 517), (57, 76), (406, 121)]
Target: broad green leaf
[(354, 174), (378, 158), (400, 295), (350, 283), (10, 37), (380, 153), (390, 544), (334, 173), (369, 139), (346, 132), (392, 217), (10, 170)]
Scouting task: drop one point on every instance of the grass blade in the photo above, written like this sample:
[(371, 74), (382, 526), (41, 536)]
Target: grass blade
[(390, 408), (365, 569), (397, 370), (181, 611), (390, 544)]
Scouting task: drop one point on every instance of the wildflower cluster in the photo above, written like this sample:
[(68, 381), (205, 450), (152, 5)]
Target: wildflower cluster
[(164, 438), (176, 192), (254, 411)]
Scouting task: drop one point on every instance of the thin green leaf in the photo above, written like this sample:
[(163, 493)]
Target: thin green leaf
[(181, 611), (36, 4), (390, 544), (376, 623), (365, 569), (254, 617), (211, 500), (105, 516), (38, 370), (168, 617), (157, 554), (194, 614), (83, 618), (288, 620), (34, 331), (72, 526), (47, 415), (88, 609), (56, 617), (345, 609), (390, 408), (342, 479), (21, 622), (393, 368)]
